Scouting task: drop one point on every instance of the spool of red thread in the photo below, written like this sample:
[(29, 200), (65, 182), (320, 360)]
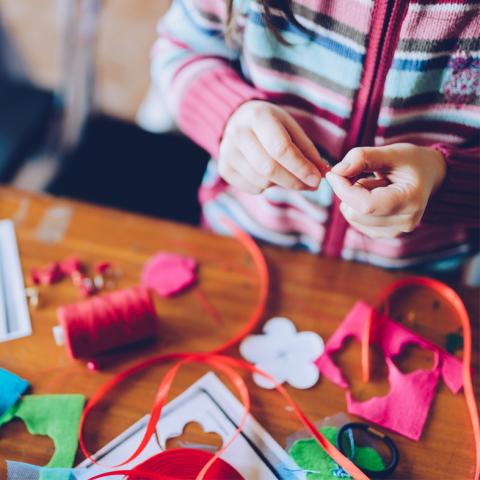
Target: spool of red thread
[(107, 322), (185, 464)]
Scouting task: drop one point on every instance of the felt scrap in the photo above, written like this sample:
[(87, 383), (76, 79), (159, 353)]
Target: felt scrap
[(405, 408), (12, 387), (412, 392), (312, 458), (284, 353), (168, 274), (57, 416), (48, 275), (26, 471)]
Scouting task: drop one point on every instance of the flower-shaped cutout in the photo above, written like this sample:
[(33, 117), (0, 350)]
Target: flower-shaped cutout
[(284, 353)]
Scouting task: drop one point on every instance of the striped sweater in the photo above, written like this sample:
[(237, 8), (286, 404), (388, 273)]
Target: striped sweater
[(368, 72)]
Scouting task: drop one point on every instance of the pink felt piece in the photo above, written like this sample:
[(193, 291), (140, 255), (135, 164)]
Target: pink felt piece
[(169, 274), (405, 409)]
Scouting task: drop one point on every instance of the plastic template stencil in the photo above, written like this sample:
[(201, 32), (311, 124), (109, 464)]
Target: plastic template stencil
[(14, 316), (254, 453)]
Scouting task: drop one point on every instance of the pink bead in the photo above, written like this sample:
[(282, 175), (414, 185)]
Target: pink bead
[(71, 265), (93, 365), (50, 274)]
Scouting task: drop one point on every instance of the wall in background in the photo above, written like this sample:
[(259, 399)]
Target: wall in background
[(126, 34)]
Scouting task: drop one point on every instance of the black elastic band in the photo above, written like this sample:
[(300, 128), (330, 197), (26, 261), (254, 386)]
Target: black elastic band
[(379, 435)]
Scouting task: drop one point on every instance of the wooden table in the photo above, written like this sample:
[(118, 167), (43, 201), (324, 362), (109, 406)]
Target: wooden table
[(315, 292)]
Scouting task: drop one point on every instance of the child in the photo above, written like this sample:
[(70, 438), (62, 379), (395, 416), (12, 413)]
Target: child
[(385, 91)]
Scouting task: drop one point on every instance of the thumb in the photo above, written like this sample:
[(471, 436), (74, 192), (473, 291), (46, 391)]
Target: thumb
[(365, 160)]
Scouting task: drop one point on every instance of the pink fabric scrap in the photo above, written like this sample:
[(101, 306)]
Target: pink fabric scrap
[(405, 408), (168, 274), (48, 275)]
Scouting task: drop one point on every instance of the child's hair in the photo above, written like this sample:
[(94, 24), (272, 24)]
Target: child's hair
[(284, 6)]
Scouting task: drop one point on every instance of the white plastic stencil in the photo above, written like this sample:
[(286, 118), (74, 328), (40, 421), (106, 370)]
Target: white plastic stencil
[(14, 315), (254, 453)]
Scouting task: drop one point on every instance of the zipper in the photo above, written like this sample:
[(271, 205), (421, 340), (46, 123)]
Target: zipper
[(387, 19)]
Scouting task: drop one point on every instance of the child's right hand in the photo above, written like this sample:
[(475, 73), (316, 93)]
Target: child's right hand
[(263, 145)]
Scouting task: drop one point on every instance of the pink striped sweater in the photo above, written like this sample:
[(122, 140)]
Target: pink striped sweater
[(372, 72)]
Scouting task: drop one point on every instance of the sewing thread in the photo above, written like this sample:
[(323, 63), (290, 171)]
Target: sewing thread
[(107, 322)]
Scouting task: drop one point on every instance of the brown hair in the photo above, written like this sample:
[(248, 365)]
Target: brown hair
[(285, 6)]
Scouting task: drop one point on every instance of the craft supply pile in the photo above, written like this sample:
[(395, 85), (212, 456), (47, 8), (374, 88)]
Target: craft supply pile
[(274, 352)]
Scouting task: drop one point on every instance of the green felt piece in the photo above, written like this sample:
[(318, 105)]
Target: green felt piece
[(56, 416), (310, 456)]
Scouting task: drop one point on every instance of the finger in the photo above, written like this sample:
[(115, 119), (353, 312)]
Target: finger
[(388, 200), (369, 183), (233, 178), (243, 167), (279, 145), (260, 162), (376, 232), (403, 222), (366, 159), (303, 142)]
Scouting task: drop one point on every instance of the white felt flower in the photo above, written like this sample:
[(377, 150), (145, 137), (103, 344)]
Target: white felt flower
[(284, 353)]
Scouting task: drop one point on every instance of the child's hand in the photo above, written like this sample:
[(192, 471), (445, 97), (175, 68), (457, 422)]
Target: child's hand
[(394, 200), (263, 146)]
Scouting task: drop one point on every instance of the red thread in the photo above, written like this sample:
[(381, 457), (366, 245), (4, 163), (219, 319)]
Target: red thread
[(208, 307), (108, 321)]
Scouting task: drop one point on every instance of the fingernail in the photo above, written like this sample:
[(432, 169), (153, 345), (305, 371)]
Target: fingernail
[(341, 167), (313, 180)]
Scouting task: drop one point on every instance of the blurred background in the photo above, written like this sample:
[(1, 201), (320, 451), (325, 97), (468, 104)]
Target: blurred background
[(77, 114)]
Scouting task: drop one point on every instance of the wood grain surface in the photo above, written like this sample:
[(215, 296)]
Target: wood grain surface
[(314, 292)]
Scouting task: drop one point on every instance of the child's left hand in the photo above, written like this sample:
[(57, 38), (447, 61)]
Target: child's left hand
[(393, 201)]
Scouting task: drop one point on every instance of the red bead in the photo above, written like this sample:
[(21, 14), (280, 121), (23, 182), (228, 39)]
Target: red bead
[(71, 265), (102, 267)]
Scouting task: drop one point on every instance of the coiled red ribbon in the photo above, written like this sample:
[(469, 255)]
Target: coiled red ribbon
[(455, 301)]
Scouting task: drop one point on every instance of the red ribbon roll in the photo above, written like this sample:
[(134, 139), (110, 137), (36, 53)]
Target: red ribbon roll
[(185, 463), (178, 463), (107, 322)]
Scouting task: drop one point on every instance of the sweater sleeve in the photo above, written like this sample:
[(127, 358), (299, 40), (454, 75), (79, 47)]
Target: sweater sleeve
[(195, 69), (458, 199)]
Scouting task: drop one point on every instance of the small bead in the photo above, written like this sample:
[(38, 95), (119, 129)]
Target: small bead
[(93, 365)]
